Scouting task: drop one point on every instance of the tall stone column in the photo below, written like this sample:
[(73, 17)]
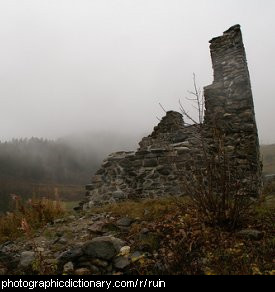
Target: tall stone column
[(229, 106)]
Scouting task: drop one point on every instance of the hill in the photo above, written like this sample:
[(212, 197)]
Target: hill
[(268, 155)]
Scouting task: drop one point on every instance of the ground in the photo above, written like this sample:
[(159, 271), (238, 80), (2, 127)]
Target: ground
[(157, 236)]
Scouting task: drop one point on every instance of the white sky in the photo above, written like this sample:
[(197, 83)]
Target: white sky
[(70, 66)]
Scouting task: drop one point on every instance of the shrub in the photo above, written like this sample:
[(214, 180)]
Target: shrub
[(214, 184)]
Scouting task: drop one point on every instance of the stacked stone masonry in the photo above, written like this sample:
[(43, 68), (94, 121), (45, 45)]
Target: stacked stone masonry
[(156, 168)]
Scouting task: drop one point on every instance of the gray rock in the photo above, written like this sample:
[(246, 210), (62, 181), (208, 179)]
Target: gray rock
[(57, 221), (144, 230), (26, 259), (150, 163), (70, 255), (121, 262), (105, 247), (68, 268), (164, 170), (250, 234), (96, 228), (8, 261), (119, 195), (63, 240), (125, 222)]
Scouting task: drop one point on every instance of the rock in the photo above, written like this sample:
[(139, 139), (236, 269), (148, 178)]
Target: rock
[(94, 270), (136, 256), (109, 269), (144, 230), (121, 262), (26, 259), (182, 150), (68, 268), (100, 263), (96, 228), (164, 170), (40, 249), (57, 221), (125, 250), (8, 262), (70, 255), (59, 234), (63, 240), (125, 222), (82, 271), (150, 163), (146, 212), (105, 247), (97, 217), (119, 195), (250, 234)]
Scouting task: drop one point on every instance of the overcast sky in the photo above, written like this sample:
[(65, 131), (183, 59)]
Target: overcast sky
[(69, 66)]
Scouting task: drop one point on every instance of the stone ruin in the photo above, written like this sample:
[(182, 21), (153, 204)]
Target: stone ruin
[(156, 168)]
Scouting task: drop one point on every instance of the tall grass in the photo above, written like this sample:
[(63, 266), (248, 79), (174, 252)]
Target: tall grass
[(33, 214)]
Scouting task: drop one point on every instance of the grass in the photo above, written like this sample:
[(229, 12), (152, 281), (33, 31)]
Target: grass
[(28, 217), (268, 154), (69, 205), (144, 209), (186, 245), (178, 240), (28, 190)]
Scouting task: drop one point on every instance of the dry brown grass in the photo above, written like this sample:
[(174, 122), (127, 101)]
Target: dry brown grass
[(33, 214), (145, 209)]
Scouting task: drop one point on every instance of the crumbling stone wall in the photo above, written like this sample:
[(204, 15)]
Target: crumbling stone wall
[(229, 106), (155, 169)]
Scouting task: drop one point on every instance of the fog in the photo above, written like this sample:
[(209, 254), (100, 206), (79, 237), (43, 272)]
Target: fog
[(103, 66)]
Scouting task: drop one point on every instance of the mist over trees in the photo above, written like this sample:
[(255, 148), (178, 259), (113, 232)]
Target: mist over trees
[(25, 164), (39, 160)]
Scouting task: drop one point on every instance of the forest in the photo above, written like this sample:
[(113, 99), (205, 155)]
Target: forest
[(35, 167)]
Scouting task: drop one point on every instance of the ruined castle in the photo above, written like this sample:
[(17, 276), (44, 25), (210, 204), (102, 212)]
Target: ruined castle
[(156, 168)]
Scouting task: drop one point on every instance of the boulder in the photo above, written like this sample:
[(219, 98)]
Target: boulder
[(121, 262), (70, 255), (125, 222), (26, 259), (105, 247)]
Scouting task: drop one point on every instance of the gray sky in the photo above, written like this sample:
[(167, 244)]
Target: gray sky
[(71, 66)]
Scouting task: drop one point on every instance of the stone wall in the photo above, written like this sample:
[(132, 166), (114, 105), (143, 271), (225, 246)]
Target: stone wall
[(173, 148), (229, 106)]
